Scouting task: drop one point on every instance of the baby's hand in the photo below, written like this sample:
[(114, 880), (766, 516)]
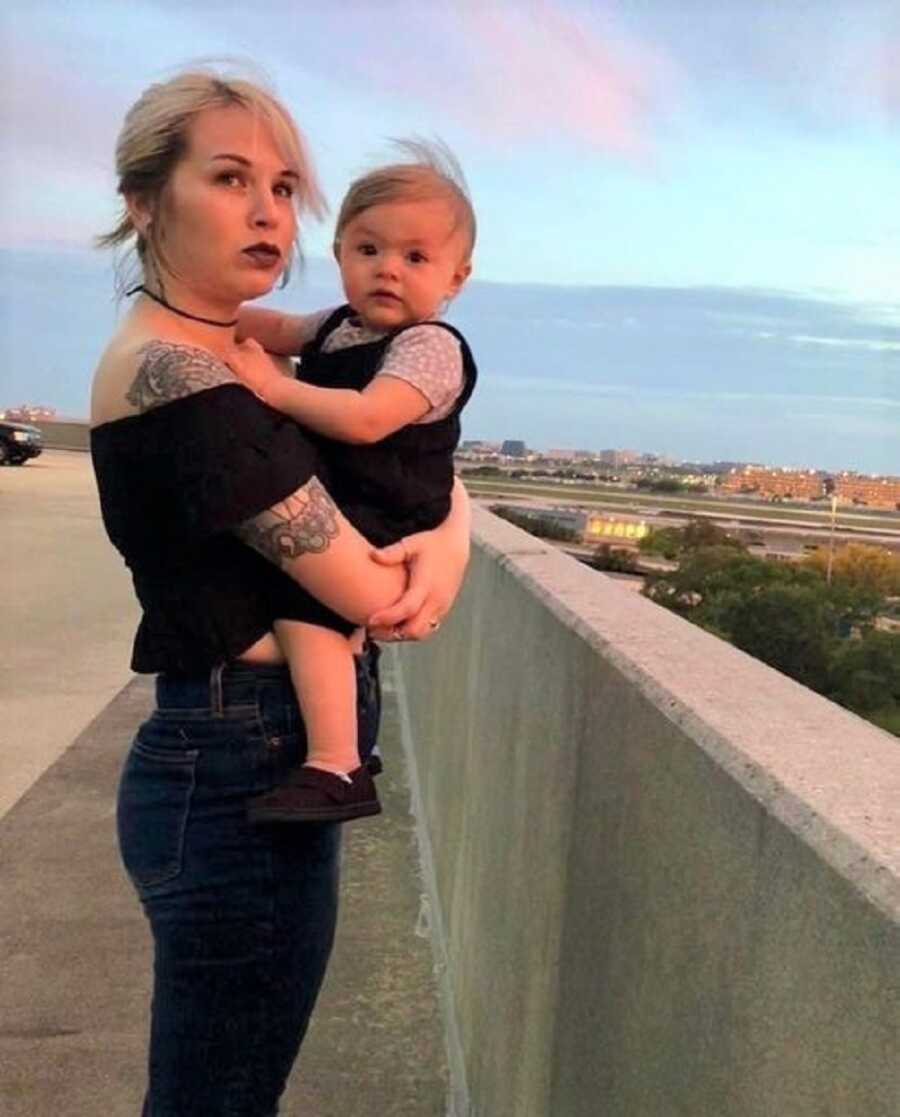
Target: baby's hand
[(253, 366)]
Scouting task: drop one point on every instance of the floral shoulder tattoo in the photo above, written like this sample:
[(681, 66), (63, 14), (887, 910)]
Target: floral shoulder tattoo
[(167, 372)]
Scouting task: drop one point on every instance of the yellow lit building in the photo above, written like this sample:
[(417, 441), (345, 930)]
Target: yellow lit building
[(613, 529)]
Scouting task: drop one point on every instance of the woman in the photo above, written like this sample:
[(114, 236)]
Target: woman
[(213, 499)]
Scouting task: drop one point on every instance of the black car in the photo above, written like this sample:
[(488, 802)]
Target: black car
[(19, 442)]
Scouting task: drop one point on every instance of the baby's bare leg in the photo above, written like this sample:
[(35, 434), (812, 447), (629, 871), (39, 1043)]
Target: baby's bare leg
[(332, 786), (321, 664)]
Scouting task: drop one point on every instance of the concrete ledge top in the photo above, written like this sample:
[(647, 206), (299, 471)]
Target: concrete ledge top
[(830, 776)]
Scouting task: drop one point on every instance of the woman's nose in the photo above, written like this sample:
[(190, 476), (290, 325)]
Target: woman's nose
[(264, 211)]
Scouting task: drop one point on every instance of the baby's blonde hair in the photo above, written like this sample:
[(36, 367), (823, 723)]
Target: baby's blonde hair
[(154, 138), (431, 171)]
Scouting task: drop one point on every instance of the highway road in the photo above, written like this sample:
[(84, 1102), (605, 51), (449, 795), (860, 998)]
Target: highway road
[(855, 520), (68, 615), (799, 525)]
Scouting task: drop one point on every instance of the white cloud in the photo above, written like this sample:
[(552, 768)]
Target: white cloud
[(873, 345)]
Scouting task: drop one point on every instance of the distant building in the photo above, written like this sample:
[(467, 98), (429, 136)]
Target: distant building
[(572, 519), (877, 492), (28, 413), (479, 446), (570, 455), (798, 484), (513, 448), (789, 484), (600, 528), (617, 458)]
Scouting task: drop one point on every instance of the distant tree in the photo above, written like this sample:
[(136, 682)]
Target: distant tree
[(660, 484), (788, 616), (865, 673), (670, 542), (616, 560), (706, 533), (705, 574), (788, 627), (548, 528), (861, 566), (481, 471), (854, 608), (664, 541), (545, 527)]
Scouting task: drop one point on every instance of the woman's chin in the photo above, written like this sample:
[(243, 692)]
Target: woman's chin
[(255, 286)]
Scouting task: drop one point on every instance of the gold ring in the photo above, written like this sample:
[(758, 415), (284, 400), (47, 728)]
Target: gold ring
[(397, 634), (434, 625)]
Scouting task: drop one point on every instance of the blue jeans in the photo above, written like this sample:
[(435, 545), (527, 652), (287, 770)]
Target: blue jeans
[(242, 918)]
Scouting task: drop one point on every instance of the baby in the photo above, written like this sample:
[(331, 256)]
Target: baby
[(383, 382)]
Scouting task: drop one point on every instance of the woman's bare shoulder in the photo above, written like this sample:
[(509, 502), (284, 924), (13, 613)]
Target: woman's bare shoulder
[(168, 370), (139, 373)]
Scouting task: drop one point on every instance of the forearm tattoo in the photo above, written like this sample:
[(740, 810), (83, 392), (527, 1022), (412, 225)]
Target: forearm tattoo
[(303, 524), (167, 372)]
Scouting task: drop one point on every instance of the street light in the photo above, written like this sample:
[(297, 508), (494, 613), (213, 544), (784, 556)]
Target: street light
[(828, 485)]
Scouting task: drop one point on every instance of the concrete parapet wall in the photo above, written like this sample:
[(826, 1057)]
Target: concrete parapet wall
[(666, 879), (64, 435)]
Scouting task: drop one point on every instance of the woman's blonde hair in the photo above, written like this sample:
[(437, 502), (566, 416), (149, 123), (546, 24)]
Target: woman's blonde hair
[(154, 138), (430, 171)]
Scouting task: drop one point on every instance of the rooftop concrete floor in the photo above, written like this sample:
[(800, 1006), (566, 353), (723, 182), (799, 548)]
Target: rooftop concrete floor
[(69, 615), (75, 949)]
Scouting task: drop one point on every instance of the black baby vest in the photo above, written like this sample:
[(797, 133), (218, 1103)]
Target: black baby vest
[(401, 484)]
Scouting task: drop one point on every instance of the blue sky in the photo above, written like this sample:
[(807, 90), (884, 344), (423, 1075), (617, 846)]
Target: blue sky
[(705, 194)]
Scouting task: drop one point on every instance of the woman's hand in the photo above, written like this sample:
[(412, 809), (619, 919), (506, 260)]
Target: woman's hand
[(437, 562), (254, 367)]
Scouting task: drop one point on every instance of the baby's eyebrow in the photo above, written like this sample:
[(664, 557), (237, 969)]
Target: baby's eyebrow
[(373, 235)]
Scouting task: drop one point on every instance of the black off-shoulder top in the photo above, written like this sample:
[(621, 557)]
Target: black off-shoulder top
[(174, 482)]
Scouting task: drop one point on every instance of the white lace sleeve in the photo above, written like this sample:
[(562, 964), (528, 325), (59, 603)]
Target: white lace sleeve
[(429, 358)]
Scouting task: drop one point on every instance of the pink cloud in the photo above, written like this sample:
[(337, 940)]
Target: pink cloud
[(57, 152), (886, 78), (554, 74), (58, 108), (525, 73), (830, 73)]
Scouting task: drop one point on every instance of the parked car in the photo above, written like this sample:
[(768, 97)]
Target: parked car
[(19, 442)]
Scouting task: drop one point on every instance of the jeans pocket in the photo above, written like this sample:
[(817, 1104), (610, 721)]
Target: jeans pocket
[(152, 811)]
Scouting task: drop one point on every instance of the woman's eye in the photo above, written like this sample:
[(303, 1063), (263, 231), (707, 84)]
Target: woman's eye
[(284, 190), (230, 178)]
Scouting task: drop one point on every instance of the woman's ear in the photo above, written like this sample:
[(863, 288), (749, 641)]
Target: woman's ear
[(141, 211)]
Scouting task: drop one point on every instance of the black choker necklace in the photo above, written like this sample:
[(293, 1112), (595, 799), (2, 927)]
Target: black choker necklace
[(184, 314)]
